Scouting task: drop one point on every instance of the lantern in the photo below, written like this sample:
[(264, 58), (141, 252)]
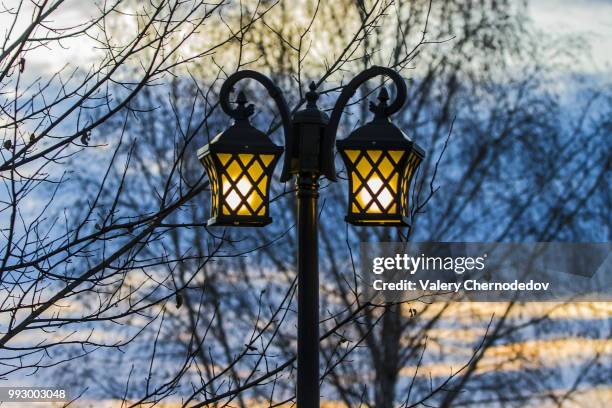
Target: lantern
[(239, 163), (380, 161)]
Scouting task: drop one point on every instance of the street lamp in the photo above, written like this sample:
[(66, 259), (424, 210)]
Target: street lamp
[(239, 163), (380, 160)]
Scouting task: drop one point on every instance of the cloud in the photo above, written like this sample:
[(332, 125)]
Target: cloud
[(589, 18)]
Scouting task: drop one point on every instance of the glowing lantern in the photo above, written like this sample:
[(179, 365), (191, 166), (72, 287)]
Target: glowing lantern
[(239, 163), (380, 161)]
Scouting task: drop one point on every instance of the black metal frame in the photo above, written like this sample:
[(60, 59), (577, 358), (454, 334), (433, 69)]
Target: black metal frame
[(310, 137)]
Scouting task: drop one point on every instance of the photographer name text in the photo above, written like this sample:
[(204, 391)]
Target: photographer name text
[(468, 285)]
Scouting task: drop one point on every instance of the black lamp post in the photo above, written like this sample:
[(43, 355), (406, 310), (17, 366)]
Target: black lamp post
[(380, 161)]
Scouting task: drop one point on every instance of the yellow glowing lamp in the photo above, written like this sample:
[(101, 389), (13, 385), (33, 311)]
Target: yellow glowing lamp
[(380, 161), (239, 163)]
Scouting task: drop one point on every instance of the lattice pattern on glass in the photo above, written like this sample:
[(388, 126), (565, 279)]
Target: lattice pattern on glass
[(244, 183), (411, 165), (213, 183), (374, 180)]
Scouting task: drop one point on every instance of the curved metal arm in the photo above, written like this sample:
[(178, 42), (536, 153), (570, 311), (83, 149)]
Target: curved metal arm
[(349, 90), (274, 91)]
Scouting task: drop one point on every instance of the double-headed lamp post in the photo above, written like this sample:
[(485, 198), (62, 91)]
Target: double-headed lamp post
[(380, 161)]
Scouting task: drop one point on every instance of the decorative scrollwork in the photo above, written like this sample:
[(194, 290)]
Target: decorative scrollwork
[(243, 110), (380, 110)]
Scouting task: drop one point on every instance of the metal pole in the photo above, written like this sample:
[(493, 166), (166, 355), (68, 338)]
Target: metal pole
[(308, 292), (309, 153)]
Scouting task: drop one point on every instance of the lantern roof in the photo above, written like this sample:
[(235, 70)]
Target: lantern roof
[(379, 133), (241, 136)]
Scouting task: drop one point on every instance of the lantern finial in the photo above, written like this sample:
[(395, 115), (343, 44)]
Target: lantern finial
[(381, 110), (242, 111), (312, 95), (241, 99)]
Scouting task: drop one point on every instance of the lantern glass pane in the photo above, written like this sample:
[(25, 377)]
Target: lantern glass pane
[(244, 183), (375, 181), (374, 155), (393, 182), (255, 171), (245, 158), (233, 200), (396, 155), (255, 200), (386, 167), (213, 182), (226, 186), (224, 158), (411, 165), (364, 198), (263, 184), (356, 182), (244, 186), (234, 170), (385, 198), (352, 155), (364, 167), (266, 159)]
